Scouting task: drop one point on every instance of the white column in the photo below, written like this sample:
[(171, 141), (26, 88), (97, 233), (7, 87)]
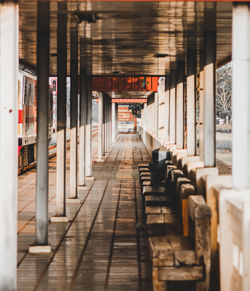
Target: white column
[(116, 119), (201, 121), (100, 127), (8, 144), (103, 126), (42, 175), (113, 122), (73, 111), (209, 100), (82, 128), (61, 115), (156, 115), (89, 131), (172, 107), (106, 124), (241, 95), (145, 115), (191, 102), (167, 108), (180, 105)]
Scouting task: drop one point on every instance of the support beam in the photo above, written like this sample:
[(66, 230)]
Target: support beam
[(42, 177), (241, 95), (110, 122), (167, 101), (61, 114), (191, 102), (100, 127), (116, 118), (156, 108), (8, 143), (172, 121), (83, 111), (113, 122), (201, 121), (180, 105), (73, 195), (209, 99), (89, 130), (103, 126)]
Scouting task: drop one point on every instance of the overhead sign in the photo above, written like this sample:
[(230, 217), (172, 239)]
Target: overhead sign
[(124, 83), (139, 100), (124, 114)]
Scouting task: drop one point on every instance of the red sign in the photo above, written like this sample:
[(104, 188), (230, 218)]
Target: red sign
[(139, 100), (124, 114), (121, 83)]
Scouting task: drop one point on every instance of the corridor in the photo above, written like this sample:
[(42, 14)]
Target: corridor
[(103, 247)]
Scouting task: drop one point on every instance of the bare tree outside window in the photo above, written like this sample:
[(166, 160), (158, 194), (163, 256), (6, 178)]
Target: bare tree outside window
[(224, 94)]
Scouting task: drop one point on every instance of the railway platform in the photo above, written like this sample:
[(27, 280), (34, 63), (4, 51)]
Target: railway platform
[(101, 247)]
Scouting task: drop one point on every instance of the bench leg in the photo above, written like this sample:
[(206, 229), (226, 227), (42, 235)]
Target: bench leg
[(185, 216), (157, 285)]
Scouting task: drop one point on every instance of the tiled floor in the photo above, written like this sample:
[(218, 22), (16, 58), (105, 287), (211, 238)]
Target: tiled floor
[(102, 247)]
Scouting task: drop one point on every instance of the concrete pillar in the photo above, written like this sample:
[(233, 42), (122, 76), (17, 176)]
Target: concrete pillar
[(107, 123), (42, 177), (191, 102), (73, 111), (83, 114), (201, 120), (113, 122), (100, 127), (167, 108), (145, 115), (89, 131), (209, 99), (156, 107), (241, 95), (180, 105), (116, 118), (8, 144), (61, 114), (103, 126), (172, 107), (110, 122)]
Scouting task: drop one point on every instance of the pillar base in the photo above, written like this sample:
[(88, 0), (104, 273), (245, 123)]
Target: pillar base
[(89, 178), (83, 187), (44, 249), (73, 200), (99, 160), (57, 219)]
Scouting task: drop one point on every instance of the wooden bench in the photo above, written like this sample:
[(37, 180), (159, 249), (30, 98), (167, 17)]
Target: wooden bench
[(179, 258)]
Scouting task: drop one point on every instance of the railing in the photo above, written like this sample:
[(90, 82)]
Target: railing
[(150, 140)]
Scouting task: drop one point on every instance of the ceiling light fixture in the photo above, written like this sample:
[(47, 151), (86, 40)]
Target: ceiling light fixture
[(90, 17)]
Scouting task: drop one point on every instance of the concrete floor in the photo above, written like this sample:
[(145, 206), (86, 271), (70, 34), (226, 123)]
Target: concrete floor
[(100, 248)]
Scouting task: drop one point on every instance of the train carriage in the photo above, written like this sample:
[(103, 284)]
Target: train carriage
[(27, 118)]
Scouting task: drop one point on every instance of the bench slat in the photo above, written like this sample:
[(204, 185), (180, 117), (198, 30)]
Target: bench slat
[(186, 273)]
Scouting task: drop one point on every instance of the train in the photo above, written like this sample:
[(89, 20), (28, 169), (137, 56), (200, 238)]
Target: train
[(27, 116)]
